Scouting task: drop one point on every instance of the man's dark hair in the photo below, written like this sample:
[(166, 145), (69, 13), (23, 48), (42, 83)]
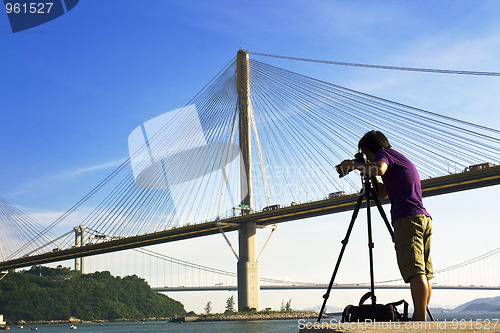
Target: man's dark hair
[(373, 141)]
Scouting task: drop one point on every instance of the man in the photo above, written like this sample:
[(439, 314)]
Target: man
[(412, 223)]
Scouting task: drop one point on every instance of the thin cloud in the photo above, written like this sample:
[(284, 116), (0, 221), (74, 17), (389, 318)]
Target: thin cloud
[(102, 166), (473, 97), (60, 177)]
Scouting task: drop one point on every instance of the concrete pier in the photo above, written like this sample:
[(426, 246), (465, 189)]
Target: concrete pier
[(80, 241), (248, 266)]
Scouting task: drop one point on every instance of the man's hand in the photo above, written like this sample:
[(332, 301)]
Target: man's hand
[(379, 188), (370, 169), (347, 166)]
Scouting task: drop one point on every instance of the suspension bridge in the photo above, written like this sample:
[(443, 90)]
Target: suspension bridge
[(187, 177), (176, 275), (470, 270)]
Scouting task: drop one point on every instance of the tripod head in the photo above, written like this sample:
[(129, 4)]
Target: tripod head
[(369, 191), (358, 157)]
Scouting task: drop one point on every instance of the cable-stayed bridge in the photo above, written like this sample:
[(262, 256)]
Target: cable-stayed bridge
[(255, 147)]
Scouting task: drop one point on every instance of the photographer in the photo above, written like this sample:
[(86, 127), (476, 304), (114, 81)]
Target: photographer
[(412, 224)]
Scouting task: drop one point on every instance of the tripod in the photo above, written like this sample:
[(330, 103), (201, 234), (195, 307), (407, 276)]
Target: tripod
[(368, 194)]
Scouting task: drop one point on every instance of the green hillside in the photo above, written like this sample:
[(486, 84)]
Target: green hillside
[(57, 294)]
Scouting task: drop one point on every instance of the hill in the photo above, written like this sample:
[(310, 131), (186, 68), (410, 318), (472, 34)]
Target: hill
[(44, 293), (480, 304)]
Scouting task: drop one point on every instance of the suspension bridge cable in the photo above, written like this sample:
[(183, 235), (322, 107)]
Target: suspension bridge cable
[(439, 134), (399, 68), (453, 267), (19, 232), (468, 262), (214, 270)]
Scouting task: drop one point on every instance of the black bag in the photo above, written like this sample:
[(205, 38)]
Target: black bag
[(362, 313)]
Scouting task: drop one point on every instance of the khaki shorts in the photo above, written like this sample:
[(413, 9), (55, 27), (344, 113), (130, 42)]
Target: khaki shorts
[(412, 240)]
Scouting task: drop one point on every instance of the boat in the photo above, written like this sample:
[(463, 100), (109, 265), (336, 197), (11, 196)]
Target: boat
[(3, 327), (73, 327), (182, 320), (177, 319)]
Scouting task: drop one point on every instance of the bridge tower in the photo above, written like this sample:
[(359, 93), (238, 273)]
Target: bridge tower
[(80, 241), (248, 266)]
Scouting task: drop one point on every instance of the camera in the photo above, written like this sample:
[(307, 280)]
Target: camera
[(358, 157)]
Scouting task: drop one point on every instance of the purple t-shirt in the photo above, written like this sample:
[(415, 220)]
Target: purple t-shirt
[(402, 183)]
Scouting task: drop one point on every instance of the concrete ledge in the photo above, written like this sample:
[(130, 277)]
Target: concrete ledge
[(457, 326)]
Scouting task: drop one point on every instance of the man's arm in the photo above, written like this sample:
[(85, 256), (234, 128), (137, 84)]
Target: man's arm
[(371, 169), (379, 188)]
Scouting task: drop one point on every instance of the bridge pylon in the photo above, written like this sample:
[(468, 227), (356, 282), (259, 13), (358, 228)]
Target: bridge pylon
[(248, 266), (80, 241)]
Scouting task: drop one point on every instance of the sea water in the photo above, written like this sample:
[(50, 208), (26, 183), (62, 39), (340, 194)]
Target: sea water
[(274, 326), (271, 326)]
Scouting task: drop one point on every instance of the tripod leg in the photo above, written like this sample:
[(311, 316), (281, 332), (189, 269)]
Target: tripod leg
[(370, 251), (431, 317), (344, 244), (384, 217)]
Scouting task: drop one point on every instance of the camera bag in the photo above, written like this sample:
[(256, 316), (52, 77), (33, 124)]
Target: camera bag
[(379, 312)]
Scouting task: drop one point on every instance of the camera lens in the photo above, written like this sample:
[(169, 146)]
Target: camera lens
[(340, 171)]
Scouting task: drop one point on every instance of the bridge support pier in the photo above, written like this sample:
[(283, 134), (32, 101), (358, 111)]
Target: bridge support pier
[(248, 266), (80, 241), (248, 269)]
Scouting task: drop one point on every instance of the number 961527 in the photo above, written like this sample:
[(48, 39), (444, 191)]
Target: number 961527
[(29, 8)]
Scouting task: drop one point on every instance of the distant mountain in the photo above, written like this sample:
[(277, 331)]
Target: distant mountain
[(491, 304), (436, 309)]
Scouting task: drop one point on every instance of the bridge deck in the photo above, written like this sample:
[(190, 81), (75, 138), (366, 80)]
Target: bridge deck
[(319, 286), (430, 187)]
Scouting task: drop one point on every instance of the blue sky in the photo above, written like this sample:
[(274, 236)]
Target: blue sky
[(72, 90)]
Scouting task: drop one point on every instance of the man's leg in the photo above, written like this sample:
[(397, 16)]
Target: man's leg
[(427, 256), (429, 291), (421, 295)]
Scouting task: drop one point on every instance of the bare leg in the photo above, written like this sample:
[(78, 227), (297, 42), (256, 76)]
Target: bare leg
[(429, 291), (420, 294)]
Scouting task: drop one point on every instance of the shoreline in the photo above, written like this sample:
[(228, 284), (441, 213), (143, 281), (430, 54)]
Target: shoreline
[(81, 321), (258, 316), (200, 318)]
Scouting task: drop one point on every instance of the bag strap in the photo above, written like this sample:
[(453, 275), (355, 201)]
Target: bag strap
[(365, 297), (346, 314), (404, 315), (397, 303)]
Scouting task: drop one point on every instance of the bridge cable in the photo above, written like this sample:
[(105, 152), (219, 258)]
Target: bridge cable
[(399, 68)]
